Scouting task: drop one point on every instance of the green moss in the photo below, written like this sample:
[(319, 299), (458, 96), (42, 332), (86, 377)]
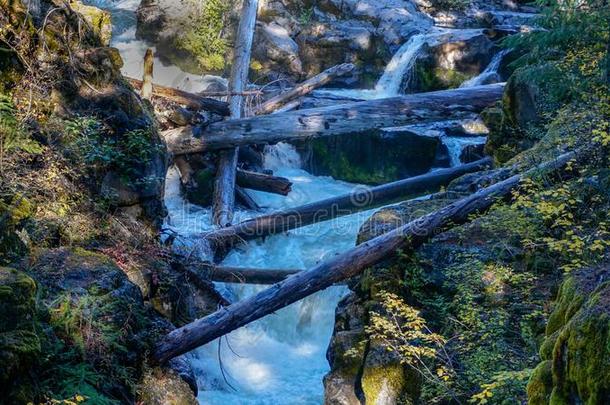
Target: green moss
[(203, 36), (579, 331), (431, 79), (538, 392), (100, 20), (383, 380)]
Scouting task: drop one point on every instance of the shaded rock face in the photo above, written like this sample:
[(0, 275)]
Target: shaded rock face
[(80, 310), (276, 50), (448, 64), (576, 351), (375, 157)]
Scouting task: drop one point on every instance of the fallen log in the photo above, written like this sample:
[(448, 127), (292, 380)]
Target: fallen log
[(249, 276), (191, 100), (340, 119), (337, 268), (304, 88), (360, 199), (245, 199), (263, 182), (224, 185)]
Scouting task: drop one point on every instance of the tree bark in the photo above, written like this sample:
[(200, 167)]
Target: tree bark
[(359, 200), (224, 186), (147, 78), (304, 88), (263, 182), (337, 268), (194, 101), (334, 120)]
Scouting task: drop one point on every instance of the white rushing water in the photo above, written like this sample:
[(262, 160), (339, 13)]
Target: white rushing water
[(490, 74), (280, 358)]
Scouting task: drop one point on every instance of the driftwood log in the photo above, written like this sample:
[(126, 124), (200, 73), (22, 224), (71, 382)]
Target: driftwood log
[(224, 184), (359, 200), (333, 120), (263, 182), (337, 268), (304, 88), (191, 100)]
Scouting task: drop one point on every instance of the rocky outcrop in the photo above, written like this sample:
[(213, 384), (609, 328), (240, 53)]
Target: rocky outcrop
[(451, 60)]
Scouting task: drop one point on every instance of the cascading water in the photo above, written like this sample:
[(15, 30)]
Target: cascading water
[(280, 358), (490, 73), (399, 69)]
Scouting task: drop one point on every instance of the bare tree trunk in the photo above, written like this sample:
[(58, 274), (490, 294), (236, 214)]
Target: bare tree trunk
[(304, 88), (147, 79), (224, 186), (330, 208), (337, 268), (342, 119)]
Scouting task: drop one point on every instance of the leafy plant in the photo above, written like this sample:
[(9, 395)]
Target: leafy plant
[(12, 134), (203, 35)]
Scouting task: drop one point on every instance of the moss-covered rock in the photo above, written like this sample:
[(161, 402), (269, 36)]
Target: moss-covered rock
[(100, 20), (165, 387), (577, 368), (375, 157), (19, 342)]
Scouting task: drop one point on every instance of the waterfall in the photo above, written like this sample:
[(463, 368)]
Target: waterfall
[(401, 66), (490, 73), (456, 145)]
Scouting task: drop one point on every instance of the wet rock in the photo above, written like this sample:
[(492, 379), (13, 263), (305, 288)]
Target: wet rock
[(374, 157), (395, 20), (472, 153), (323, 45), (385, 381)]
